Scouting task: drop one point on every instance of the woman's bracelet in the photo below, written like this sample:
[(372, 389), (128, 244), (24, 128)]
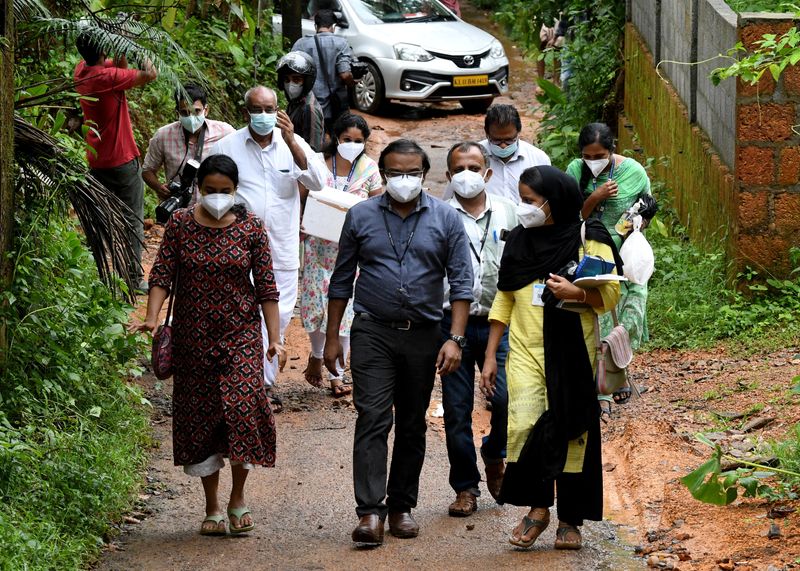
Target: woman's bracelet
[(584, 297)]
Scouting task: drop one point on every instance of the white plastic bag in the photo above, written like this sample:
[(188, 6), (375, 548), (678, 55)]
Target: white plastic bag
[(637, 256)]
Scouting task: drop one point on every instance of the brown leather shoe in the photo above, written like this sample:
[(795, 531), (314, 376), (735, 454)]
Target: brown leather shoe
[(465, 505), (402, 525), (369, 532), (495, 470)]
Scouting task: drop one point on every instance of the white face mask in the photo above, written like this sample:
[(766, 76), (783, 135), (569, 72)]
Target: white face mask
[(350, 151), (468, 184), (404, 188), (596, 166), (193, 122), (293, 90), (217, 204), (530, 215)]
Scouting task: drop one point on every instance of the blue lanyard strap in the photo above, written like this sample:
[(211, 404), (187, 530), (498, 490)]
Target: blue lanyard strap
[(594, 180), (349, 176)]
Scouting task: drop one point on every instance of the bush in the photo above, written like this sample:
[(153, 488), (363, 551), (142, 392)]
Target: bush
[(71, 431)]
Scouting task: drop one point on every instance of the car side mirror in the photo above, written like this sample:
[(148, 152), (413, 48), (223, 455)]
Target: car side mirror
[(341, 21)]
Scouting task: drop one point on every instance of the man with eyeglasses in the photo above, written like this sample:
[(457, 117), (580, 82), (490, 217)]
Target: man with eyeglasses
[(403, 243), (509, 155), (272, 161), (174, 144)]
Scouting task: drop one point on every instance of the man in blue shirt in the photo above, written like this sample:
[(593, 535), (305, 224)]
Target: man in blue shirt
[(403, 243)]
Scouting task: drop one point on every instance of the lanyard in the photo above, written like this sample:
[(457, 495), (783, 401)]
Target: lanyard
[(349, 177), (610, 174), (391, 240), (483, 240)]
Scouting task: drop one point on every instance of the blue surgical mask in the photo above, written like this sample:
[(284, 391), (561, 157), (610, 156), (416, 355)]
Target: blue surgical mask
[(193, 122), (263, 123), (502, 153)]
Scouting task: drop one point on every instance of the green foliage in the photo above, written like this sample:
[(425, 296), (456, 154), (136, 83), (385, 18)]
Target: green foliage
[(788, 452), (71, 431), (761, 6), (773, 53), (710, 485), (592, 53)]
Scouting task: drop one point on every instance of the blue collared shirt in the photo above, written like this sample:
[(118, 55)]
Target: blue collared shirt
[(394, 291)]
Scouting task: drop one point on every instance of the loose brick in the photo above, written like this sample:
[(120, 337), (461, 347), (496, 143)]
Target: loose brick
[(755, 165), (766, 122), (789, 166), (787, 215), (753, 210)]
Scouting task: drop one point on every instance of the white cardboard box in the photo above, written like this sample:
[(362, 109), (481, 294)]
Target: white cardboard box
[(325, 212)]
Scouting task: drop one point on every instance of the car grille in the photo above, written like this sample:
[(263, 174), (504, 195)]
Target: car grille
[(424, 78), (461, 61)]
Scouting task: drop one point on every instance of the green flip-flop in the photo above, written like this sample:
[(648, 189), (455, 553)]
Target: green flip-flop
[(217, 519), (238, 513)]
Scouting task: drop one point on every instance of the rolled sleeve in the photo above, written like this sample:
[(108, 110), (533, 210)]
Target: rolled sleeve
[(344, 58), (344, 273), (316, 173), (459, 265)]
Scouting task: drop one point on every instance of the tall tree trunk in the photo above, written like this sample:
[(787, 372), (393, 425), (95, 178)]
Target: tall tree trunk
[(292, 12), (6, 151)]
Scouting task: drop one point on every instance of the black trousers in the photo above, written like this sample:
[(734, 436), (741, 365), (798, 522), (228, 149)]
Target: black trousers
[(391, 368)]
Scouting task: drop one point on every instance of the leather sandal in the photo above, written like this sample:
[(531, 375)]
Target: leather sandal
[(528, 524), (562, 534)]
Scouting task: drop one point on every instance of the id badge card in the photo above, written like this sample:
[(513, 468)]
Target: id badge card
[(538, 290)]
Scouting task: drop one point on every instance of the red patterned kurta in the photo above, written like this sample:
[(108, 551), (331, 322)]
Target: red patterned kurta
[(219, 400)]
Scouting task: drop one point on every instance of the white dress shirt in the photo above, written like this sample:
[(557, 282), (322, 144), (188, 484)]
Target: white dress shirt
[(268, 188), (505, 177)]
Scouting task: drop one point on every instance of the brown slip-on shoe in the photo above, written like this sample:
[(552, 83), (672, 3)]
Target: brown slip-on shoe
[(495, 470), (465, 505), (369, 532), (402, 525)]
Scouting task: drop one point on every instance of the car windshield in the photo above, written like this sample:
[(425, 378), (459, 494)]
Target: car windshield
[(394, 11)]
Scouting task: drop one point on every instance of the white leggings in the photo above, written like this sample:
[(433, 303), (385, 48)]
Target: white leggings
[(318, 347)]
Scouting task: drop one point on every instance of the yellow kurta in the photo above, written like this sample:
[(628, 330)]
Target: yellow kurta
[(527, 391)]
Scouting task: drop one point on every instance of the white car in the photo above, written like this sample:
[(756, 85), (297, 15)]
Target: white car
[(418, 50)]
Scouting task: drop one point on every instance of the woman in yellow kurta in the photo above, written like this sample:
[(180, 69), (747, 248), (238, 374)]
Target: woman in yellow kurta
[(553, 415)]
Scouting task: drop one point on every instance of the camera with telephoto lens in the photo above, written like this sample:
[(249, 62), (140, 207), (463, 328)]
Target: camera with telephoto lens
[(180, 192)]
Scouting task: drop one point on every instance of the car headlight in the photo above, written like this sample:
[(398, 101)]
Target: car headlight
[(497, 51), (410, 52)]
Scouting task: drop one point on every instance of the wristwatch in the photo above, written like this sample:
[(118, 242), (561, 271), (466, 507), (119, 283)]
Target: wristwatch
[(459, 340)]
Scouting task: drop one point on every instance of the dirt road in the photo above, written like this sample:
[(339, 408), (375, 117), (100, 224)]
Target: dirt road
[(304, 507)]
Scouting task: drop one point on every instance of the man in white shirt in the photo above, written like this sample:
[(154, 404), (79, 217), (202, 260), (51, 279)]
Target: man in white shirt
[(272, 160), (484, 216), (508, 154)]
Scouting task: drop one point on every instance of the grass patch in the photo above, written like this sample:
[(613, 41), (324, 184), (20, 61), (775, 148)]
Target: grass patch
[(691, 305)]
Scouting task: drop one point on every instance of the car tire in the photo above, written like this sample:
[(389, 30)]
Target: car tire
[(368, 93), (476, 105)]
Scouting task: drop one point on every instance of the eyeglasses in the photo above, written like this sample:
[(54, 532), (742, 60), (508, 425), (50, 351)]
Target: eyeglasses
[(507, 142), (393, 173)]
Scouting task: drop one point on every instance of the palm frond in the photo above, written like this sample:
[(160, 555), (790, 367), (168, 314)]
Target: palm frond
[(26, 10), (46, 168)]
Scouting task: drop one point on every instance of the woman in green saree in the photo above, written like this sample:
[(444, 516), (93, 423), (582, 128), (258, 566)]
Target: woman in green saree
[(612, 184)]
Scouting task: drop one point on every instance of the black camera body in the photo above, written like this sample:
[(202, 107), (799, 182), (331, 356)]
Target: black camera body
[(358, 69), (180, 192)]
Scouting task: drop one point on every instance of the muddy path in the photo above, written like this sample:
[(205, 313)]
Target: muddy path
[(304, 507)]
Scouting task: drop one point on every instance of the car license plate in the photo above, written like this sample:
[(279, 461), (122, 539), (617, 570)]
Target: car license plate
[(470, 80)]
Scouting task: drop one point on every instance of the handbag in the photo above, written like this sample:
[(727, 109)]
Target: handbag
[(614, 354), (161, 351)]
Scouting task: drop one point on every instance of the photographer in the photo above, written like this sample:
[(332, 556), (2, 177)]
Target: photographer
[(173, 145)]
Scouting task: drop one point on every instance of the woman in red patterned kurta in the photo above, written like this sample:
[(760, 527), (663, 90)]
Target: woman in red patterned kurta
[(220, 406)]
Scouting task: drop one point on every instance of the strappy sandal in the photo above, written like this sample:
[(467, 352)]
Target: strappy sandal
[(563, 532), (313, 379), (239, 513), (216, 519), (605, 411), (339, 389), (529, 524), (622, 395)]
